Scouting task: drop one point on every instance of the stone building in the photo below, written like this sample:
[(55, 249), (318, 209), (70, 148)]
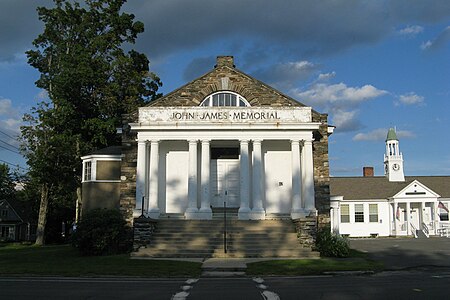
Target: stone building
[(224, 138)]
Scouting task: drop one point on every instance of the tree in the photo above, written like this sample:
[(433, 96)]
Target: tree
[(91, 82), (7, 190)]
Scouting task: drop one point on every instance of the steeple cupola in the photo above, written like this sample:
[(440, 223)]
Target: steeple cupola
[(393, 158)]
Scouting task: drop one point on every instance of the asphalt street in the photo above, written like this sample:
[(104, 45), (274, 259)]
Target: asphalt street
[(430, 284)]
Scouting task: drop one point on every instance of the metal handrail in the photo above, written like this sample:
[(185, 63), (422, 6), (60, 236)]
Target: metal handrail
[(413, 230), (425, 230), (224, 227)]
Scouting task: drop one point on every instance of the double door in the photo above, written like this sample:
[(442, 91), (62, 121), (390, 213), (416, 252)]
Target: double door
[(225, 186)]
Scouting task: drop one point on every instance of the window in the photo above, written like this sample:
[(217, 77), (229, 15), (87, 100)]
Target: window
[(87, 171), (373, 213), (227, 99), (345, 213), (5, 232), (359, 213), (4, 213), (443, 211)]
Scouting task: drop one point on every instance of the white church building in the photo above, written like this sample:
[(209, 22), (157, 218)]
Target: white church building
[(390, 205)]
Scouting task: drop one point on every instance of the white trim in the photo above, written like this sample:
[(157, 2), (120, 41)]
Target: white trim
[(238, 98)]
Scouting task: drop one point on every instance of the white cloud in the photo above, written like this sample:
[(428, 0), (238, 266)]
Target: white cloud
[(439, 42), (412, 30), (410, 99), (326, 76), (339, 95), (380, 134), (6, 107), (345, 120)]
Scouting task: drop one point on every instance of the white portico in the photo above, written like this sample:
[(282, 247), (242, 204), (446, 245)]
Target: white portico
[(257, 159)]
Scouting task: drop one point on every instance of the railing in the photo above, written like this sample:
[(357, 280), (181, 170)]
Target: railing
[(413, 230), (444, 230), (425, 230), (224, 227)]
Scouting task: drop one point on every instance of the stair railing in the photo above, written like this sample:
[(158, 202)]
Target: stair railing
[(224, 226), (413, 230), (425, 230)]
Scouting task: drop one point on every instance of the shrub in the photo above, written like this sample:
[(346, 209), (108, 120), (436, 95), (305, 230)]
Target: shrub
[(102, 232), (331, 244)]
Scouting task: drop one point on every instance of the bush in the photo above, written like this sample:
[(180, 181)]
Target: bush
[(331, 244), (102, 232)]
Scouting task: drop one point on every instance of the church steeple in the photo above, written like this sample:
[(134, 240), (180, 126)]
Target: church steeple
[(393, 158)]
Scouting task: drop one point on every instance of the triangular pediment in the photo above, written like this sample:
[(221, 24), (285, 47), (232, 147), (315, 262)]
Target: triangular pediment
[(416, 189), (226, 78)]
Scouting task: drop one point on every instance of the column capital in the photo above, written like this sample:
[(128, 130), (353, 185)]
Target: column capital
[(244, 141), (205, 141), (257, 141), (295, 141), (154, 142), (192, 141), (307, 142)]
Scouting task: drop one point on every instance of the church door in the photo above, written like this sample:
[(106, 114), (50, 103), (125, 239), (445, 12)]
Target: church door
[(225, 182)]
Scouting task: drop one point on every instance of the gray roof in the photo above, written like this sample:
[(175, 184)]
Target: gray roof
[(379, 187)]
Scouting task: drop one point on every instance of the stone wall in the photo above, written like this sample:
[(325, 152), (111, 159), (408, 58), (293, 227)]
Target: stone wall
[(128, 169), (143, 230), (306, 231)]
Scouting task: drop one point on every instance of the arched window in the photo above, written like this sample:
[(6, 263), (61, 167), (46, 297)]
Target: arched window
[(228, 99)]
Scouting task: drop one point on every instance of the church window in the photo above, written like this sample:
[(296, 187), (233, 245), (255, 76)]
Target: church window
[(345, 213), (373, 213), (225, 99), (359, 213)]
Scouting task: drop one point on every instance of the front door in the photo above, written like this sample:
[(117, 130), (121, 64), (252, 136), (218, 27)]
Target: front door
[(225, 182)]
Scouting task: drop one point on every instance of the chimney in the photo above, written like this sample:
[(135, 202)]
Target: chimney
[(368, 171), (224, 61)]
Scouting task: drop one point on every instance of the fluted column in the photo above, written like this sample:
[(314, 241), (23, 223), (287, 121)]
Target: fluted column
[(153, 208), (408, 225), (192, 180), (141, 178), (258, 210), (205, 208), (308, 178), (244, 166), (297, 210)]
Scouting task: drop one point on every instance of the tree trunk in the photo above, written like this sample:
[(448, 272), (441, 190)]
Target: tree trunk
[(78, 205), (42, 220)]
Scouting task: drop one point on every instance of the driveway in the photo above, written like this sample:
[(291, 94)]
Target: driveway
[(401, 253)]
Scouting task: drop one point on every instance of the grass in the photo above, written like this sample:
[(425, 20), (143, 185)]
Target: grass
[(63, 260), (357, 262)]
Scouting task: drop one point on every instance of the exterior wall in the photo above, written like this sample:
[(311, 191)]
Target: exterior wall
[(366, 228), (100, 195), (173, 176), (108, 170)]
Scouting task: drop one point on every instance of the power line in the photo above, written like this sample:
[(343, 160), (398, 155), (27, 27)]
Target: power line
[(15, 138), (4, 161), (10, 150), (11, 145)]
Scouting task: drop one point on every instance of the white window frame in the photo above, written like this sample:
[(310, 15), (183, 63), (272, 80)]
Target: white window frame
[(358, 213), (93, 159), (372, 215), (348, 213), (208, 101)]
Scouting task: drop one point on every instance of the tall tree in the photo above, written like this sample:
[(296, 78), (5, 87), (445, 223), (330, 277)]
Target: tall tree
[(6, 183), (91, 82)]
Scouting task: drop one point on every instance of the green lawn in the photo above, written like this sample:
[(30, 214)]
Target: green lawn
[(63, 260), (358, 262)]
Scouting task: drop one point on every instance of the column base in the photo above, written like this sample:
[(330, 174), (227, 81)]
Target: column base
[(257, 214), (137, 213), (244, 213)]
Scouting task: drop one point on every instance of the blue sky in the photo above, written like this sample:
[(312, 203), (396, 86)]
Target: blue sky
[(370, 65)]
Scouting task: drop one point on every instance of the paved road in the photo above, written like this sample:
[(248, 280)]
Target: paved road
[(402, 253), (387, 285)]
